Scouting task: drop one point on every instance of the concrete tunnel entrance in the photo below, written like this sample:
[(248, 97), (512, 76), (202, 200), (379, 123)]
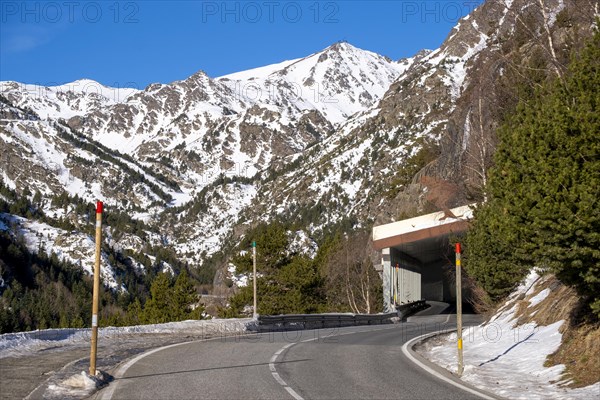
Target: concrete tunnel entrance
[(417, 257)]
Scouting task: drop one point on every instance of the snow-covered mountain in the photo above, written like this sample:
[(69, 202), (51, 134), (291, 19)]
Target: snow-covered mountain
[(235, 125), (74, 247), (430, 140), (338, 82), (342, 136), (64, 101)]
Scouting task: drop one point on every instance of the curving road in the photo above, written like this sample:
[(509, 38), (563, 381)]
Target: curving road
[(345, 363)]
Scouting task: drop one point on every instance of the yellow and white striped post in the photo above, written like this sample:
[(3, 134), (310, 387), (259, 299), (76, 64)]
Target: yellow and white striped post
[(96, 294), (255, 304), (459, 311)]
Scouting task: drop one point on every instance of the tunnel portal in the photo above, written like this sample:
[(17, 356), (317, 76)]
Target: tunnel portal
[(417, 256)]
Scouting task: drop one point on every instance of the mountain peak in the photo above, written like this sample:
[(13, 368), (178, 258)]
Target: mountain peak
[(343, 47), (340, 46), (337, 81), (200, 74)]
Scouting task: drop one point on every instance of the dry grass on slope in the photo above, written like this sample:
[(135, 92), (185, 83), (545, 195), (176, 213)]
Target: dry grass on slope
[(580, 347)]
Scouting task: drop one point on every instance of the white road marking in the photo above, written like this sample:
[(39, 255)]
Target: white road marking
[(293, 393), (107, 393), (279, 379), (276, 355), (276, 375), (120, 372), (407, 353)]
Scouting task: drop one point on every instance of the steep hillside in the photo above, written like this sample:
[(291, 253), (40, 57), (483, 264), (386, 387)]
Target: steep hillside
[(338, 82), (530, 347), (430, 141)]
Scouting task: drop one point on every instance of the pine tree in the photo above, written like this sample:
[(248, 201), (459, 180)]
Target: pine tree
[(289, 283), (184, 298), (158, 307), (134, 313), (545, 189), (300, 284), (491, 257)]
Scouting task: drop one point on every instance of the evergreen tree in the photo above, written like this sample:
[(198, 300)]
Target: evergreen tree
[(289, 283), (184, 299), (168, 301), (272, 251), (158, 307), (134, 313), (492, 242), (545, 188), (301, 285)]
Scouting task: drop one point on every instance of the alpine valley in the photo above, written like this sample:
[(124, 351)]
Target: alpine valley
[(332, 142)]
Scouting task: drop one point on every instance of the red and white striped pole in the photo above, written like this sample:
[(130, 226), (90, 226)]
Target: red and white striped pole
[(459, 310), (96, 293)]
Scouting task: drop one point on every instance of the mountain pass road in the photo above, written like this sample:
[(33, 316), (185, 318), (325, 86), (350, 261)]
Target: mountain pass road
[(364, 362)]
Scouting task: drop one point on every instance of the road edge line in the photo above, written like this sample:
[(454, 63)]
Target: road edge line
[(120, 371), (407, 350)]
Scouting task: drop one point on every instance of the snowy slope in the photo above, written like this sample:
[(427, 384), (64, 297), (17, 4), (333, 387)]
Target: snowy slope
[(207, 127), (506, 358), (338, 81), (53, 163), (193, 131), (441, 111), (64, 101), (204, 233), (74, 247)]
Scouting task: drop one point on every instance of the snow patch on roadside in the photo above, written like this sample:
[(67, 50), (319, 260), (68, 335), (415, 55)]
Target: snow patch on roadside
[(23, 343), (80, 385), (508, 359)]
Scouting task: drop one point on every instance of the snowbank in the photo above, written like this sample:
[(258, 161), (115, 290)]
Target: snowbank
[(79, 385), (508, 359), (20, 343)]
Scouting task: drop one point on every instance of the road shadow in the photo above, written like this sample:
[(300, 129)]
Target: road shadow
[(208, 369)]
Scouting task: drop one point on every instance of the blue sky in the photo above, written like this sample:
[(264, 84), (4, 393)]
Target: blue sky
[(135, 43)]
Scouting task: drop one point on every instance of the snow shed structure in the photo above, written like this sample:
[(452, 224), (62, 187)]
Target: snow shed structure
[(417, 257)]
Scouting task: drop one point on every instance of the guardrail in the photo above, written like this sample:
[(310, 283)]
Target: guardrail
[(318, 321), (406, 310)]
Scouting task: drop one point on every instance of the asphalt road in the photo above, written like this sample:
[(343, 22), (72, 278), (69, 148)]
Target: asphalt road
[(344, 363)]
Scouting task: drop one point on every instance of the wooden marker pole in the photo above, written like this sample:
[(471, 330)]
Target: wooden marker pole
[(459, 311), (96, 294)]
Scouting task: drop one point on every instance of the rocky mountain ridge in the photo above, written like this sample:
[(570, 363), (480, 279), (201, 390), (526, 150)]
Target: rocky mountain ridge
[(341, 137), (236, 126)]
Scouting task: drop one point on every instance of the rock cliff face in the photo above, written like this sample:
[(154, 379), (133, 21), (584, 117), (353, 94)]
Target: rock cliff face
[(343, 136)]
